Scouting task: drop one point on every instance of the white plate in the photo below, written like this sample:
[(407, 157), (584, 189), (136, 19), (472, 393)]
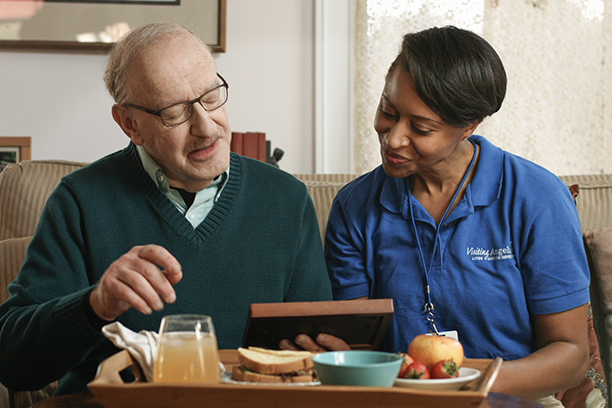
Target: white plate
[(227, 378), (466, 375)]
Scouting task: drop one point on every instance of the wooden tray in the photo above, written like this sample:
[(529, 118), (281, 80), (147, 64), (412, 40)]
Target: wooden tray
[(109, 389)]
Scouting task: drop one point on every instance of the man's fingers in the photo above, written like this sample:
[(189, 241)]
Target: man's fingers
[(112, 298), (173, 277), (160, 256), (162, 281), (151, 283), (143, 278), (126, 295), (148, 286)]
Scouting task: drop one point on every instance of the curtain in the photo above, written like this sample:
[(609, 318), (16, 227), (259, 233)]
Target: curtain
[(557, 107)]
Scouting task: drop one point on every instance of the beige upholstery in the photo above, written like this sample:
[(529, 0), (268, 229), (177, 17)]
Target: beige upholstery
[(24, 189), (594, 203), (323, 189)]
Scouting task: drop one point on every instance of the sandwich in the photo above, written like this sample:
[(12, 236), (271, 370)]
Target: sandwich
[(274, 366)]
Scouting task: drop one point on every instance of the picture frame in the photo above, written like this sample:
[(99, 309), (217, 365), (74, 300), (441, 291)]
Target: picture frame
[(94, 25), (14, 150), (361, 323)]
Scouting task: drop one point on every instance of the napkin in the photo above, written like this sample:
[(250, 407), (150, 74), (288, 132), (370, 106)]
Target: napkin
[(142, 345)]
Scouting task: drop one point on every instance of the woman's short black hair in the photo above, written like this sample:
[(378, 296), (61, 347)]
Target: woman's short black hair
[(456, 72)]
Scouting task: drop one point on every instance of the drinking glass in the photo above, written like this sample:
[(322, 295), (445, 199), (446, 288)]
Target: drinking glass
[(187, 351)]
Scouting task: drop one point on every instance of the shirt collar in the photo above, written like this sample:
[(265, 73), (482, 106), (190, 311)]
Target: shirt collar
[(161, 180), (483, 190), (487, 182)]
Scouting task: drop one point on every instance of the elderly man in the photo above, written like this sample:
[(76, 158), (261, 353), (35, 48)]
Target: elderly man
[(173, 223)]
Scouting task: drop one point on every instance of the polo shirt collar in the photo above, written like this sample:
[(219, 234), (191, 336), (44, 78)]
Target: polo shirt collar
[(486, 185), (394, 194), (483, 190)]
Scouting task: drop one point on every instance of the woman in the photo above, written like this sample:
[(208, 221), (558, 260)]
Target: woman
[(464, 237)]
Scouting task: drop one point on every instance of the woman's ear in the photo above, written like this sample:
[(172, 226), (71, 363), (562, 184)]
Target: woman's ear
[(469, 130), (127, 123)]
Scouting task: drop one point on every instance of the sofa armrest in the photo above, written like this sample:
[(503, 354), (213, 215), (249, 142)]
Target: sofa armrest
[(24, 189)]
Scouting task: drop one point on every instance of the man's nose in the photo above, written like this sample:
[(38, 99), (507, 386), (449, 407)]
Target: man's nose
[(200, 120)]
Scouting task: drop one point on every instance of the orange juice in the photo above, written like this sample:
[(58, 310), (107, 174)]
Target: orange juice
[(187, 357)]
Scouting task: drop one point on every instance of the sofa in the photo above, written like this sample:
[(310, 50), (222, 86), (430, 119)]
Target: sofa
[(25, 187)]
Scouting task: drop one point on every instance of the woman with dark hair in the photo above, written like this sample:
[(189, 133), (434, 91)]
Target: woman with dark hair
[(467, 239)]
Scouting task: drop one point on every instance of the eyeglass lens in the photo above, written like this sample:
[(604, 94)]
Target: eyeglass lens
[(181, 112)]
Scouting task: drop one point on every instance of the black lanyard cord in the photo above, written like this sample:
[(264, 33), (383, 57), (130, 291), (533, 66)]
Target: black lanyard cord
[(429, 307)]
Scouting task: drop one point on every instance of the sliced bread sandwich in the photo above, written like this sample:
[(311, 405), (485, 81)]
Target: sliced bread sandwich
[(274, 366)]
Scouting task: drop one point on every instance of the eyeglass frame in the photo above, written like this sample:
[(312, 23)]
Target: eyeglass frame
[(224, 84)]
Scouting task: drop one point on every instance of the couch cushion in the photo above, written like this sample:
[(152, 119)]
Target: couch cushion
[(323, 189), (24, 189)]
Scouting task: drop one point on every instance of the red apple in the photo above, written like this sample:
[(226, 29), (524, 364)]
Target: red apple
[(429, 349)]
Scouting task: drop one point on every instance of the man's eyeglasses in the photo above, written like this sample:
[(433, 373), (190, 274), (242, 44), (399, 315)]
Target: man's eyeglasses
[(178, 113)]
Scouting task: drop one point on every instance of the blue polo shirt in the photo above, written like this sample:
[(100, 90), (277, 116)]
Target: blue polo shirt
[(512, 247)]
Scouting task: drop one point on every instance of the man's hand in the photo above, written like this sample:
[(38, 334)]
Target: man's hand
[(324, 342), (142, 278)]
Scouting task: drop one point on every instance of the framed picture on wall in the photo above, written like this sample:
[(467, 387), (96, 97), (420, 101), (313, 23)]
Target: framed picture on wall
[(14, 150), (96, 24), (9, 155)]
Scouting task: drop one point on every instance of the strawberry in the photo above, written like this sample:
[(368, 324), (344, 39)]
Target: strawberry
[(445, 369), (404, 368), (417, 370)]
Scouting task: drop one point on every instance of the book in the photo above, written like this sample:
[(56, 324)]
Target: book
[(250, 147), (361, 323), (262, 147), (269, 152), (236, 143)]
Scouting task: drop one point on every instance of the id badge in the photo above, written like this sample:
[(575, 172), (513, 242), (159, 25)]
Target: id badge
[(449, 333)]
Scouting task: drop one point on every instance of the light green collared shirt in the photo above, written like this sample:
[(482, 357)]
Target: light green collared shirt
[(204, 199)]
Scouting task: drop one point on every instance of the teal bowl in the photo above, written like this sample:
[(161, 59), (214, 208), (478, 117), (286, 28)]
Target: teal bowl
[(356, 367)]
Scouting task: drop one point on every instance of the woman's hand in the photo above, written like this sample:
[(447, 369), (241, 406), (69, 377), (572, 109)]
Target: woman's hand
[(324, 342)]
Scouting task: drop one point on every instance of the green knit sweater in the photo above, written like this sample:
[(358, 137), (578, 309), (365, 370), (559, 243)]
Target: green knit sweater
[(259, 243)]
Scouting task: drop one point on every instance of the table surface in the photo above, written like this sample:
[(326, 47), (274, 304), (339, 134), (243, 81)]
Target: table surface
[(87, 400)]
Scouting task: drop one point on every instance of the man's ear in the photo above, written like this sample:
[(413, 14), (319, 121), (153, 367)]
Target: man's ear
[(127, 123)]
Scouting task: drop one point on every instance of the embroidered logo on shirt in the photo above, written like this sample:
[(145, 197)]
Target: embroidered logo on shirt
[(492, 254)]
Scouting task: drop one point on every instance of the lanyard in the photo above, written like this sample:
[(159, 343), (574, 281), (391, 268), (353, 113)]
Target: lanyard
[(429, 307)]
